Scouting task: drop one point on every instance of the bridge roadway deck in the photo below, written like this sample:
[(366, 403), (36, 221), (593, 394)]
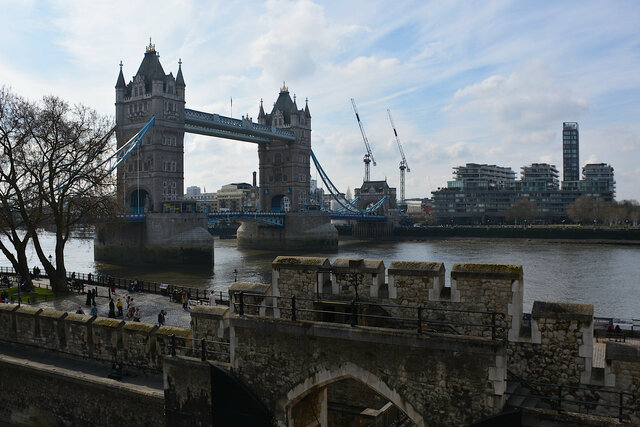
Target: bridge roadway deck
[(145, 382)]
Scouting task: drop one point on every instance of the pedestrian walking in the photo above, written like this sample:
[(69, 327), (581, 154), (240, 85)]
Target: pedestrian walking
[(94, 294), (136, 315), (88, 301), (94, 310), (162, 318), (184, 300), (119, 307), (112, 311), (212, 299)]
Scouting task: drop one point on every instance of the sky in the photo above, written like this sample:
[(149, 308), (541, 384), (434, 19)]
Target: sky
[(482, 82)]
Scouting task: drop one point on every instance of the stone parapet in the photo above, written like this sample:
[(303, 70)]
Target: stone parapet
[(255, 300), (357, 277), (51, 329), (78, 336), (8, 322), (414, 282), (26, 322)]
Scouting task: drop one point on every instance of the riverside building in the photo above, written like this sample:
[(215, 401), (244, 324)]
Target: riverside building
[(481, 194)]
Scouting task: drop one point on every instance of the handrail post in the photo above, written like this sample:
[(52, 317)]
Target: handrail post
[(420, 319), (560, 398), (173, 345), (203, 355), (620, 407), (493, 325), (293, 308), (241, 308), (354, 313)]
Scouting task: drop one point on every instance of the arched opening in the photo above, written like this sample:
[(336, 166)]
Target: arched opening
[(347, 396), (139, 201), (280, 203)]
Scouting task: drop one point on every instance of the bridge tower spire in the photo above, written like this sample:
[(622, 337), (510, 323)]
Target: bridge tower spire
[(152, 175), (285, 166)]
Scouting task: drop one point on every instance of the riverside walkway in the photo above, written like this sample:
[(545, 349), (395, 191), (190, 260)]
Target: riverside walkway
[(149, 303)]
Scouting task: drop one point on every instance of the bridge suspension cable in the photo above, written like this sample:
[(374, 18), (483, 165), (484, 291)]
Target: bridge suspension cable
[(346, 206)]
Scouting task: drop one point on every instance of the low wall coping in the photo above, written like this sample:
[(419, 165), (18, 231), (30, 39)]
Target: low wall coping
[(489, 271), (79, 318), (257, 288), (53, 314), (343, 265), (215, 312), (28, 311), (562, 310), (8, 307), (301, 262), (416, 268), (172, 330), (146, 328), (622, 352), (109, 323)]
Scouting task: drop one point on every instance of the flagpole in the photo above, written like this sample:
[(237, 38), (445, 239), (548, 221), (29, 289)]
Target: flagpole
[(231, 106)]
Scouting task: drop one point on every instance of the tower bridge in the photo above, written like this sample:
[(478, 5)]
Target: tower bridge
[(153, 173)]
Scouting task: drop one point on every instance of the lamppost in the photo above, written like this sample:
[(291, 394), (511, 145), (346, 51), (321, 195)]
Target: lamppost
[(235, 274)]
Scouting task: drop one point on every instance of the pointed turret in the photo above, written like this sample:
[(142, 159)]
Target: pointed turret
[(294, 108), (179, 78), (261, 114), (307, 113), (120, 84)]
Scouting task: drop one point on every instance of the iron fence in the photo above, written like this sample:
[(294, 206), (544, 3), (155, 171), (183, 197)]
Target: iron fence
[(357, 311)]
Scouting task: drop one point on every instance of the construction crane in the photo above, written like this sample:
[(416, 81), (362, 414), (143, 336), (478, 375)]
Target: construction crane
[(403, 163), (368, 157)]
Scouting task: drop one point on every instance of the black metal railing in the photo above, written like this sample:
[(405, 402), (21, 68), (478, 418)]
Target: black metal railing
[(203, 348), (356, 311), (558, 395), (198, 296)]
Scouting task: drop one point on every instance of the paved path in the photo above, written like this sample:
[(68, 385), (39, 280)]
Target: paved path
[(149, 304), (92, 368)]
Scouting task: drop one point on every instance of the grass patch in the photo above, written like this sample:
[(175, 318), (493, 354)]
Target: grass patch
[(38, 294)]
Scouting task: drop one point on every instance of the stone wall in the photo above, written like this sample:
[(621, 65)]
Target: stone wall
[(561, 346), (453, 380), (301, 277), (357, 278), (41, 395), (132, 344)]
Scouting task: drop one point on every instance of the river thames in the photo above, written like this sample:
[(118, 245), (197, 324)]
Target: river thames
[(606, 275)]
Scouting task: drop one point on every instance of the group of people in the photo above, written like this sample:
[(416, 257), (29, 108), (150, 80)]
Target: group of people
[(133, 312)]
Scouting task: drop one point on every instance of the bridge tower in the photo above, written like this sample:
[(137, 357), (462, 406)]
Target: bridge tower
[(154, 171), (284, 166)]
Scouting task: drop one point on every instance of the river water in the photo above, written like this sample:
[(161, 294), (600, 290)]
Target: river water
[(605, 275)]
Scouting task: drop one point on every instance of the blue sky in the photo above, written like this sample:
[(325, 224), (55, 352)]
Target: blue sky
[(487, 82)]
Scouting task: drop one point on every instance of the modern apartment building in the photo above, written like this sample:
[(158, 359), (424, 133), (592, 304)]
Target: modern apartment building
[(570, 152)]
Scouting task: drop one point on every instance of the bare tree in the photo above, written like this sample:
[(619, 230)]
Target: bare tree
[(17, 192), (586, 210), (63, 152), (522, 210)]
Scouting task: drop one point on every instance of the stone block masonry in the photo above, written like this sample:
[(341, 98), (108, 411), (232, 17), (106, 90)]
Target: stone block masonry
[(133, 344), (41, 395)]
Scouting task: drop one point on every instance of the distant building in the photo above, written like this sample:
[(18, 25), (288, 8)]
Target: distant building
[(482, 176), (540, 176), (237, 197), (570, 152), (484, 200), (194, 189), (597, 179)]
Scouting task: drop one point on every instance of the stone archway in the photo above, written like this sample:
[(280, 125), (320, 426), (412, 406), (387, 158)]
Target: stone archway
[(326, 377), (140, 201)]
